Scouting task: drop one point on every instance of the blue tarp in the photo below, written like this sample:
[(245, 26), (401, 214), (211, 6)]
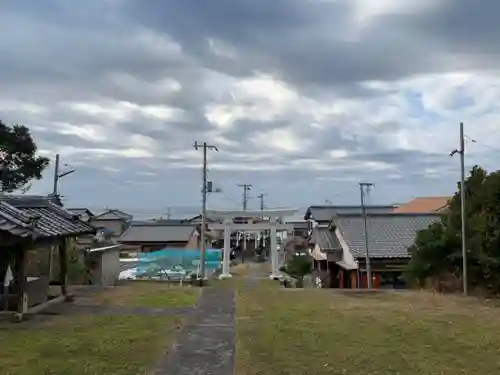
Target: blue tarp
[(176, 262)]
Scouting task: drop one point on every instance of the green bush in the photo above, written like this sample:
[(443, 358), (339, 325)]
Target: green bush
[(298, 267)]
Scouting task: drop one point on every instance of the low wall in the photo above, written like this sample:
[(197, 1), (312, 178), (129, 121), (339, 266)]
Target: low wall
[(37, 289)]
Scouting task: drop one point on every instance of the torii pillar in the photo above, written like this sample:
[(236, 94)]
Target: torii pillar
[(275, 274), (227, 253)]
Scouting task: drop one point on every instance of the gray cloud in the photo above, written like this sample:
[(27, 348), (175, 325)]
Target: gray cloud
[(133, 81), (302, 41)]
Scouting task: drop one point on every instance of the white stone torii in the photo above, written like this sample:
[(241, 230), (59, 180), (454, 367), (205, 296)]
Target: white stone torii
[(228, 215)]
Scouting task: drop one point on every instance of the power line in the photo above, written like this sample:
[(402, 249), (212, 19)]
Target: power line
[(481, 144), (246, 189), (229, 198), (204, 189), (364, 188)]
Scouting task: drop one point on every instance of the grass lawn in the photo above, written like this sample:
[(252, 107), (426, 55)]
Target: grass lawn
[(86, 345), (149, 294), (314, 332), (97, 345)]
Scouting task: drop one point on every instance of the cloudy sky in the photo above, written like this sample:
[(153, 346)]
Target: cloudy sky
[(304, 98)]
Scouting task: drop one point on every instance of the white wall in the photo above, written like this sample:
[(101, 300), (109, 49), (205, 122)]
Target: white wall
[(347, 257), (110, 267)]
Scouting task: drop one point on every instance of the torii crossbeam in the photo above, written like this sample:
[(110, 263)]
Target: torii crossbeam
[(272, 225)]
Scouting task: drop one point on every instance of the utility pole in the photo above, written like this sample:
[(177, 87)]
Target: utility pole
[(246, 189), (261, 197), (364, 187), (58, 175), (264, 232), (461, 151), (3, 175), (203, 207)]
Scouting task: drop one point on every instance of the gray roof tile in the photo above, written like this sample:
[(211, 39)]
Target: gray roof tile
[(113, 215), (298, 224), (325, 238), (162, 222), (389, 235), (326, 213), (38, 216), (80, 211), (155, 232)]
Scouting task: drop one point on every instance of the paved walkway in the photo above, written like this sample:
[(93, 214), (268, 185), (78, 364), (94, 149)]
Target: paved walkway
[(206, 344)]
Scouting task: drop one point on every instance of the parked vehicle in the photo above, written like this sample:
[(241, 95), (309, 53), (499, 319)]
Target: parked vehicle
[(154, 273)]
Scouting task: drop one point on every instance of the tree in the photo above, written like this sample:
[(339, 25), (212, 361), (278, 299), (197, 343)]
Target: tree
[(298, 266), (437, 250), (19, 163), (433, 254)]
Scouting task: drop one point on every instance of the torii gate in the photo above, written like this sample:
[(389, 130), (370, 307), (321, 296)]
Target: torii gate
[(272, 225)]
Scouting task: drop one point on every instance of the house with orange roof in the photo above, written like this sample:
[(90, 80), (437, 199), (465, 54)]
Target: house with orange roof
[(337, 242), (423, 205)]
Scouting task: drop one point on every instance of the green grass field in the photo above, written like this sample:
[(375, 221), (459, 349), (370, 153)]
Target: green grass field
[(320, 331), (150, 294), (98, 345)]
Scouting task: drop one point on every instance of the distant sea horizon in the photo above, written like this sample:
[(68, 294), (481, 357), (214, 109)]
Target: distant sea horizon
[(175, 212)]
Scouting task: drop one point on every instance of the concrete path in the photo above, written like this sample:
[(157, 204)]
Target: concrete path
[(257, 272), (206, 344)]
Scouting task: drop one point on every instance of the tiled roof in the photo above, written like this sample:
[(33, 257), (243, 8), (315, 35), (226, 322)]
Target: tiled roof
[(325, 238), (302, 224), (38, 216), (113, 215), (424, 205), (162, 222), (326, 213), (157, 232), (389, 235), (80, 211)]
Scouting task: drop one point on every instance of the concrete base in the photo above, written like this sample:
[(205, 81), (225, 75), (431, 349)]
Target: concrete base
[(39, 308), (225, 276)]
